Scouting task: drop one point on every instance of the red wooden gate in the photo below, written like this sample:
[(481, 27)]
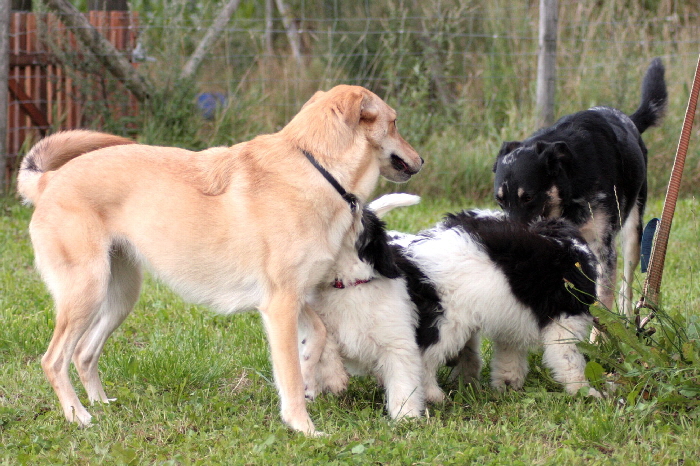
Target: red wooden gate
[(45, 95)]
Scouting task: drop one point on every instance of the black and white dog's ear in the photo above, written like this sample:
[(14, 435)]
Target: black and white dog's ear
[(555, 155), (506, 148), (373, 246)]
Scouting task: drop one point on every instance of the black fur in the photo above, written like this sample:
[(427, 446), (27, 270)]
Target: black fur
[(425, 297), (654, 97), (373, 246), (545, 270), (582, 155), (591, 164), (30, 164)]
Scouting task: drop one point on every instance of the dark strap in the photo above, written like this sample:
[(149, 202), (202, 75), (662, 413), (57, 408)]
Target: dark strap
[(350, 198)]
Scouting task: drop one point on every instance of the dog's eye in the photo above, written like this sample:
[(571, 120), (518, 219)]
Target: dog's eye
[(499, 200), (526, 198)]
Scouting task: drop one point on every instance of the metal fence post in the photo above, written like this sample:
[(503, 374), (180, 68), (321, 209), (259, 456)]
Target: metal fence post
[(547, 62)]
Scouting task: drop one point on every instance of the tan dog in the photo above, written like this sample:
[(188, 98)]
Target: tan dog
[(255, 225)]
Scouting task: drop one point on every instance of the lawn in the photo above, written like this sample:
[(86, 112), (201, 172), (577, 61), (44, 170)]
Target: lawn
[(195, 388)]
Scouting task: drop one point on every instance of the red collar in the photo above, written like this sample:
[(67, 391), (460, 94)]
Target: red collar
[(338, 283)]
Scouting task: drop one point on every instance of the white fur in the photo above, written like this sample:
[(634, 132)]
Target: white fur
[(371, 327), (387, 202), (477, 299)]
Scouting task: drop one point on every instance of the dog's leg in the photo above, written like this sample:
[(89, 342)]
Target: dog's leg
[(509, 366), (605, 252), (280, 316), (79, 293), (331, 374), (432, 361), (401, 372), (312, 341), (631, 245), (562, 355), (122, 293), (468, 367)]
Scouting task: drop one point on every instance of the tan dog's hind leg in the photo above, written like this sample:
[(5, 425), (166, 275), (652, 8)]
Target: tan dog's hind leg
[(122, 294), (73, 258), (76, 304), (281, 322)]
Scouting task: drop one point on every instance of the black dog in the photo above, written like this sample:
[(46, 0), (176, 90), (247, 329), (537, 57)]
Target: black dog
[(589, 167)]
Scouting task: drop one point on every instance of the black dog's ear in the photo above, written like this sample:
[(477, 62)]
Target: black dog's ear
[(506, 148), (373, 246), (555, 155)]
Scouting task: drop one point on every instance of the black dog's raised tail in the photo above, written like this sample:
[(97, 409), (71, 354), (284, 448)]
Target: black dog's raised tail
[(654, 97)]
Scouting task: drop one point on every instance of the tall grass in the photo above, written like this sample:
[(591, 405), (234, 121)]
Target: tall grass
[(460, 73)]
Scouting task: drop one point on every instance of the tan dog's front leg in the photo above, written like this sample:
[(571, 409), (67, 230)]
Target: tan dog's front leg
[(280, 318)]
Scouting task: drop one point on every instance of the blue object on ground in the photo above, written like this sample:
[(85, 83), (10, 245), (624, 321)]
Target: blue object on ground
[(209, 102), (647, 242)]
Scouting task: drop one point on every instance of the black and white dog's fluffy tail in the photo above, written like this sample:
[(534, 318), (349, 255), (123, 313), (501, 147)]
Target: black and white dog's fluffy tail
[(387, 202), (654, 98)]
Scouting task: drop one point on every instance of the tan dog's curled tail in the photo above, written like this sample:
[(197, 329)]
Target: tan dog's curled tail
[(52, 152), (387, 202)]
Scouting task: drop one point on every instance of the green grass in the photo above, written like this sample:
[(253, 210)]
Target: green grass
[(195, 388)]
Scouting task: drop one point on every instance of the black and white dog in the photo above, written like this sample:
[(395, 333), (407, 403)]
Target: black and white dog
[(475, 273), (590, 168), (369, 320)]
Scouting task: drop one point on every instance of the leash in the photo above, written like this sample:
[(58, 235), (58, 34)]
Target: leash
[(652, 283), (350, 198)]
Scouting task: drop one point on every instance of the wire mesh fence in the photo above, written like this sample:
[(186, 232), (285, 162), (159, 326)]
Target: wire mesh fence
[(461, 67)]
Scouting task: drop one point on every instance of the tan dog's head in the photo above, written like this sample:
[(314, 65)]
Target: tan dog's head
[(350, 115)]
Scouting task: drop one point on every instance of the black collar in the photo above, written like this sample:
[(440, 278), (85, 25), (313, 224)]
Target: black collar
[(350, 198)]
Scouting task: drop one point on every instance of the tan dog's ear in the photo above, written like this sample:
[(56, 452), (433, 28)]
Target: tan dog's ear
[(360, 106), (369, 110), (349, 107)]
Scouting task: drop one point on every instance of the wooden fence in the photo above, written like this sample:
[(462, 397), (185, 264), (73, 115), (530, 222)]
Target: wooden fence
[(44, 93)]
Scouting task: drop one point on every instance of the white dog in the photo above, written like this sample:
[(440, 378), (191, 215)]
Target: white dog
[(370, 320), (474, 273)]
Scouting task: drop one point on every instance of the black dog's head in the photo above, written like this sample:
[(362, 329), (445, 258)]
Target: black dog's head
[(531, 179), (373, 245)]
